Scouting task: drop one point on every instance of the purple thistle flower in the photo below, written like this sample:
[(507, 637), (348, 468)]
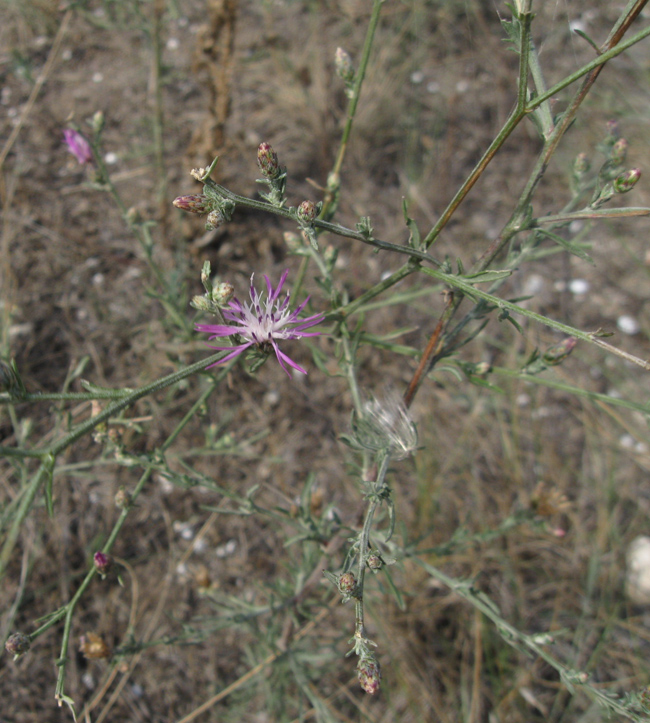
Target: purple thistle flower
[(78, 146), (263, 324)]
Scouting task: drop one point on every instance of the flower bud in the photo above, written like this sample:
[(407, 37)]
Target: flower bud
[(17, 644), (78, 146), (627, 180), (618, 154), (343, 65), (103, 563), (222, 293), (193, 203), (214, 220), (122, 498), (206, 272), (374, 562), (347, 584), (557, 353), (98, 122), (200, 303), (581, 164), (369, 674), (267, 160), (306, 212), (93, 647)]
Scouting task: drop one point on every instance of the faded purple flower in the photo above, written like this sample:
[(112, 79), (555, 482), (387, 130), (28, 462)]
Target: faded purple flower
[(78, 146), (263, 323)]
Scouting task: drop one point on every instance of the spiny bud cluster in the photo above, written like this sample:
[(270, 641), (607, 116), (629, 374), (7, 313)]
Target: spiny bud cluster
[(217, 294)]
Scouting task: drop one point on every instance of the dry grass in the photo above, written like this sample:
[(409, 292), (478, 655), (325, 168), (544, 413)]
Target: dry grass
[(73, 285)]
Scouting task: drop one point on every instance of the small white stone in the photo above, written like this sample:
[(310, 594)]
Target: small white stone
[(433, 87), (173, 44), (627, 441), (98, 77), (227, 549), (417, 77), (110, 158), (462, 86), (578, 286), (637, 581), (628, 324)]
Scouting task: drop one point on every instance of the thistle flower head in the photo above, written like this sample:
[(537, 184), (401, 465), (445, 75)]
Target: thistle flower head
[(263, 323), (78, 146)]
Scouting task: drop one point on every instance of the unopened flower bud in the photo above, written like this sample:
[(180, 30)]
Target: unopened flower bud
[(122, 498), (93, 647), (17, 644), (343, 65), (581, 164), (374, 562), (214, 220), (557, 353), (618, 154), (193, 203), (306, 212), (267, 160), (626, 181), (206, 271), (200, 303), (98, 122), (222, 293), (369, 674), (103, 563), (347, 584)]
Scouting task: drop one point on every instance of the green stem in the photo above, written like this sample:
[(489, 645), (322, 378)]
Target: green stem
[(69, 609), (47, 455), (363, 544)]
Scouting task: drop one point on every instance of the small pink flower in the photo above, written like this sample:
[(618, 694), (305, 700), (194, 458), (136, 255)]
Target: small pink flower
[(263, 324), (78, 146)]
